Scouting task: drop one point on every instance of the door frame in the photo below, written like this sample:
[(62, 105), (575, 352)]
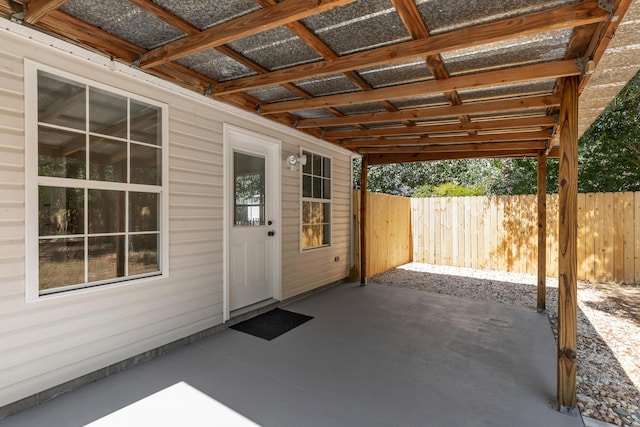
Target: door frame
[(244, 140)]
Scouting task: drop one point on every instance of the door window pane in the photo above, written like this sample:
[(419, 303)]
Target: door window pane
[(249, 189)]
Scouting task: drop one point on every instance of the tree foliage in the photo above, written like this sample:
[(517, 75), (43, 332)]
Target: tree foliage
[(448, 189)]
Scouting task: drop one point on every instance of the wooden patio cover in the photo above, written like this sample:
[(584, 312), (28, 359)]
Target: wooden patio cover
[(393, 80)]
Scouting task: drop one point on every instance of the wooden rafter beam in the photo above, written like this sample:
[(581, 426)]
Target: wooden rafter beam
[(383, 159), (549, 20), (37, 9), (486, 107), (549, 70), (245, 26), (485, 125), (458, 148), (168, 17), (515, 136)]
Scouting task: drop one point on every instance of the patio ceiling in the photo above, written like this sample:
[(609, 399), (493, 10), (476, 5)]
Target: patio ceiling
[(399, 80)]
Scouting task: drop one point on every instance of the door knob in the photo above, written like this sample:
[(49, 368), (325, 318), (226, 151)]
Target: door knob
[(271, 233)]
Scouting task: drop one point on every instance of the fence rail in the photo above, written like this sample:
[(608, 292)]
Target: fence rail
[(500, 233)]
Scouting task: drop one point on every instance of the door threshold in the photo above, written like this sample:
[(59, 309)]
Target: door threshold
[(244, 313)]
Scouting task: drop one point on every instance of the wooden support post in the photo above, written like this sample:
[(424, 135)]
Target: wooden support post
[(567, 242), (363, 219), (542, 232)]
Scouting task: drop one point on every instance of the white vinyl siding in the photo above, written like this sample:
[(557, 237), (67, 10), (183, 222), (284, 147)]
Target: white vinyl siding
[(59, 338)]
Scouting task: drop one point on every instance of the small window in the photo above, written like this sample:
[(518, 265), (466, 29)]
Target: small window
[(316, 201), (99, 185)]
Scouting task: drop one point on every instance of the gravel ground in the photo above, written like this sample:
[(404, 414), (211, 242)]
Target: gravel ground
[(608, 376)]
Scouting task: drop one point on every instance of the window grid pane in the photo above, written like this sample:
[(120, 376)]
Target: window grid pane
[(316, 201), (123, 235)]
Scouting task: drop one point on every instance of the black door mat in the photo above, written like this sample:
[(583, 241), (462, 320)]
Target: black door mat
[(271, 324)]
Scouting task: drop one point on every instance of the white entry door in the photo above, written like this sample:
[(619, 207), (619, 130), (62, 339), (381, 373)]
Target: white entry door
[(253, 247)]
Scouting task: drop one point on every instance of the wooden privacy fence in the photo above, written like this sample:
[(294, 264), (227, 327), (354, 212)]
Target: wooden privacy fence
[(500, 233), (389, 232)]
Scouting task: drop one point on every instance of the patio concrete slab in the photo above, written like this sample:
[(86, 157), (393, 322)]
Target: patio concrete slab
[(372, 356)]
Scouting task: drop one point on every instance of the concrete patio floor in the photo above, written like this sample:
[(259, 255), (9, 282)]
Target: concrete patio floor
[(372, 356)]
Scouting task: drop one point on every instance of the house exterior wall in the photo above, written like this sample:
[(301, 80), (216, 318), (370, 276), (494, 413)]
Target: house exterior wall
[(52, 340)]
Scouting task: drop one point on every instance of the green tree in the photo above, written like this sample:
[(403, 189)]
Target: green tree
[(448, 189)]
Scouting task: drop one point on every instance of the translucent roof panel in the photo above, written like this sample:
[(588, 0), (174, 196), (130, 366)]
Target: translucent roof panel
[(359, 26), (273, 94), (446, 15), (312, 114), (208, 13), (519, 51), (373, 107), (420, 101), (328, 85), (276, 48), (541, 87), (213, 64), (397, 73), (121, 18)]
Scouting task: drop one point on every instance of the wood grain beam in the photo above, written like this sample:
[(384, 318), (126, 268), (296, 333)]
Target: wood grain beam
[(549, 70), (567, 246), (485, 125), (37, 9), (542, 232), (397, 142), (261, 20), (166, 16), (549, 20), (459, 148), (485, 107)]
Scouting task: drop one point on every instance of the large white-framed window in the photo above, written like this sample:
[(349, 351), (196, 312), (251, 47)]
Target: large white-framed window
[(316, 201), (96, 183)]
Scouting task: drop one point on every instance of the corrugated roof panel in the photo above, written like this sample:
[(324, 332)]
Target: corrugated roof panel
[(213, 64), (519, 51), (273, 94), (275, 49), (208, 13), (313, 114), (359, 26), (124, 20), (420, 101), (397, 73), (515, 113), (371, 107), (446, 15), (541, 87), (328, 85)]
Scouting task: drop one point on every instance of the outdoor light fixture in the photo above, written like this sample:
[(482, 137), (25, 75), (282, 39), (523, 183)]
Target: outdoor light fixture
[(293, 160)]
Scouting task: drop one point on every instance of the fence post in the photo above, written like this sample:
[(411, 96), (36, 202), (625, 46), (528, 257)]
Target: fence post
[(363, 219)]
